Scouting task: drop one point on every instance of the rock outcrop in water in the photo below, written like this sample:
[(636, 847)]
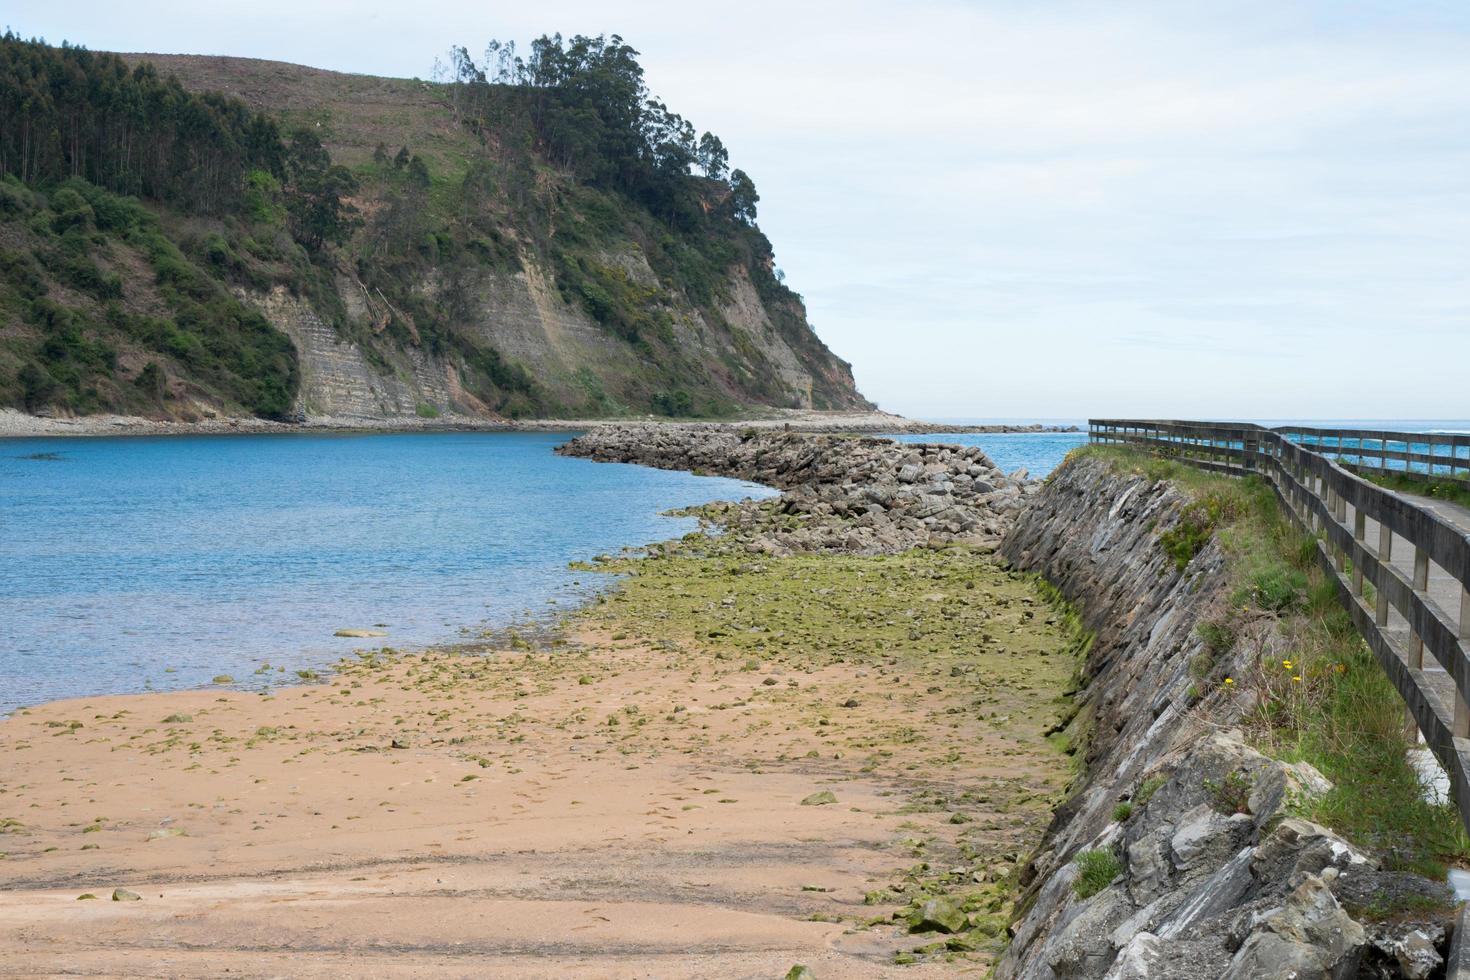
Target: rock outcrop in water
[(1213, 877), (861, 495)]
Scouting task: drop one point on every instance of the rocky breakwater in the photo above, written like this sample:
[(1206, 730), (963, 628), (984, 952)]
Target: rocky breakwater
[(1177, 854), (858, 495)]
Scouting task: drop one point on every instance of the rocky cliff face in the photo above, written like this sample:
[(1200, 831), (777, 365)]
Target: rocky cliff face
[(565, 351), (1210, 874)]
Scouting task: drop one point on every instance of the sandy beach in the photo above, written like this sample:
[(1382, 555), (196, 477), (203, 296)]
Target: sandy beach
[(626, 803)]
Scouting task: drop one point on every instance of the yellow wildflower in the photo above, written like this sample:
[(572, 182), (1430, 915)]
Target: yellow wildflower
[(1286, 664), (1297, 677), (1230, 680)]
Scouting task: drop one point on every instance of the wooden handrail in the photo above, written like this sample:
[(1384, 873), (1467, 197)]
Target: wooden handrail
[(1317, 489)]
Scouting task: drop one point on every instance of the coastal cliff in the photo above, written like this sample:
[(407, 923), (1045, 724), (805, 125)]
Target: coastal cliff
[(288, 243), (1181, 851)]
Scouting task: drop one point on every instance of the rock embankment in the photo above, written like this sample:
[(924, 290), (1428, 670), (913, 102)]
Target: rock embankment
[(1198, 868), (859, 495)]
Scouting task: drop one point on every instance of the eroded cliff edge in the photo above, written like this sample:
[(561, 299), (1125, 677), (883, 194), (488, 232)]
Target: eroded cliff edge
[(1200, 867)]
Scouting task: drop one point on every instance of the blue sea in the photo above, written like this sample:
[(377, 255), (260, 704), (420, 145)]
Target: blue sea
[(1036, 452), (1041, 452), (129, 564)]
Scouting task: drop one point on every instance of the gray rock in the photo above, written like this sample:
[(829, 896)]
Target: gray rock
[(1080, 945), (1200, 836), (1416, 955), (1284, 783), (1296, 847), (1217, 893), (1139, 960), (1310, 936), (1149, 867)]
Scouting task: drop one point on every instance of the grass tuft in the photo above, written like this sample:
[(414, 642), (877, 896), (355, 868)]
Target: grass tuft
[(1096, 870)]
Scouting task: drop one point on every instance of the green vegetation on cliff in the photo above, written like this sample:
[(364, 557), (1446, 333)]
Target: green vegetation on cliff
[(73, 340), (464, 230)]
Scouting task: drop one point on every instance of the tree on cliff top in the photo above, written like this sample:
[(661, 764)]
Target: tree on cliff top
[(590, 111)]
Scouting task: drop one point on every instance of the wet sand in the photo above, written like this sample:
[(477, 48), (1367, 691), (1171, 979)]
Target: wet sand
[(629, 804)]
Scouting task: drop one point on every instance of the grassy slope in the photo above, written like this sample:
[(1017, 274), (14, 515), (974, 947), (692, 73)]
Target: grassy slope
[(350, 114), (1328, 703)]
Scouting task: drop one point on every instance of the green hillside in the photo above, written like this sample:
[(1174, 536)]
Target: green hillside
[(185, 235)]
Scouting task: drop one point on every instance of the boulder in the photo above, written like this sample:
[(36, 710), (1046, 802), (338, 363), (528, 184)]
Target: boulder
[(938, 914), (1310, 937)]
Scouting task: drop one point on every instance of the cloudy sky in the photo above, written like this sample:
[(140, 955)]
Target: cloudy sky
[(1032, 209)]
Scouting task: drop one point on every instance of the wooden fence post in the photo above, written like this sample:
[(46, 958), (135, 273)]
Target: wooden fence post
[(1385, 556), (1360, 531), (1421, 583)]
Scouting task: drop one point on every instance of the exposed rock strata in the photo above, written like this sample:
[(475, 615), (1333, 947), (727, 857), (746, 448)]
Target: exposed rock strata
[(1216, 879), (862, 495)]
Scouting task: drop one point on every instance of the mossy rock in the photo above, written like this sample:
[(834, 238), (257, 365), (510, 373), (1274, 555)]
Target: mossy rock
[(823, 798), (938, 914), (124, 895)]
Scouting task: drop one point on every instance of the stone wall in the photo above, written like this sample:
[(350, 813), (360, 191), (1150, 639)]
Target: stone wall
[(1214, 877)]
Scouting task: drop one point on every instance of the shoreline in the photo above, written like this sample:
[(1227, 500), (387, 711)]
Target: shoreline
[(19, 425), (732, 762)]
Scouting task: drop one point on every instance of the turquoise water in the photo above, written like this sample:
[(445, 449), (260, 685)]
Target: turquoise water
[(129, 564), (1038, 452)]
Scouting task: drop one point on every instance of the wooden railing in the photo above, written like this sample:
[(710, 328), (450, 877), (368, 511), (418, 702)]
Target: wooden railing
[(1423, 456), (1319, 492)]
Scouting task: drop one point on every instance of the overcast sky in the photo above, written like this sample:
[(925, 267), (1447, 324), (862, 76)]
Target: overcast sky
[(1028, 209)]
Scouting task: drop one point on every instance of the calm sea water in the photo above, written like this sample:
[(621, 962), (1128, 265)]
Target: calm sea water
[(129, 564), (1038, 452), (1042, 452)]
